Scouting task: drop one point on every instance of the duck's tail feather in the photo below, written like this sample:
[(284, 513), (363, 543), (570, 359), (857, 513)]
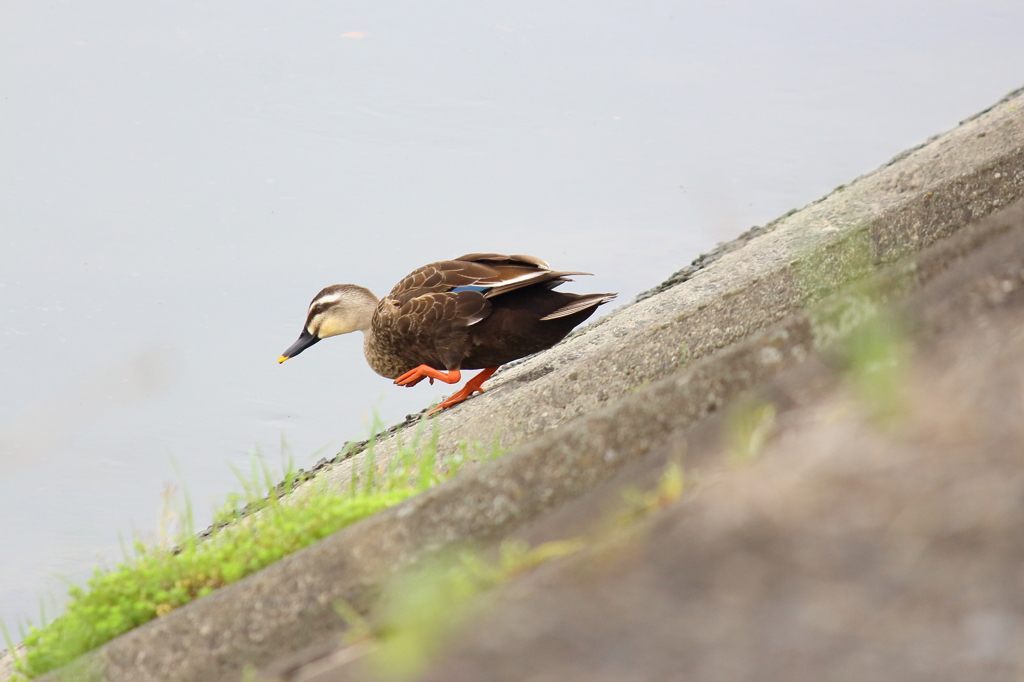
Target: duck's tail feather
[(582, 303)]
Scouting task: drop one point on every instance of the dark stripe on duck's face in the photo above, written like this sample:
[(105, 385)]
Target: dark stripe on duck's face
[(319, 308), (304, 341), (322, 303), (478, 289)]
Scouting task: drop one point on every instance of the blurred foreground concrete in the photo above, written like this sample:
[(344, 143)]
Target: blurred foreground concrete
[(853, 547)]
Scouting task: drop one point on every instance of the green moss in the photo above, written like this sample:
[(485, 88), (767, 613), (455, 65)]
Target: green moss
[(749, 424), (422, 608), (874, 360), (853, 322)]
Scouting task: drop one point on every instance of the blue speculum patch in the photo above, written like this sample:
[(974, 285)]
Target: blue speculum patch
[(479, 290)]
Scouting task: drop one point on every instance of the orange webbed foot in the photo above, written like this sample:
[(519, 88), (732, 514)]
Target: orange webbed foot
[(418, 374), (472, 386)]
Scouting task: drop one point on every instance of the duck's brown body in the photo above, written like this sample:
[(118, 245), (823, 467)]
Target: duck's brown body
[(424, 322), (477, 311)]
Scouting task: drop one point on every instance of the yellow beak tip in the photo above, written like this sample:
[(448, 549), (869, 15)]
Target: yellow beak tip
[(282, 359)]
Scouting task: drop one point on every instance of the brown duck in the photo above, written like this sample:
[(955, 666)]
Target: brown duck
[(477, 311)]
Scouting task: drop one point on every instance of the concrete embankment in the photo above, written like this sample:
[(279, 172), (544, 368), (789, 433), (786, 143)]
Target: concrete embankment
[(851, 536), (648, 383)]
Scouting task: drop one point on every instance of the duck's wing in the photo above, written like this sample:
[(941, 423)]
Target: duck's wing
[(497, 274), (490, 274), (434, 326), (501, 258), (432, 308), (426, 317)]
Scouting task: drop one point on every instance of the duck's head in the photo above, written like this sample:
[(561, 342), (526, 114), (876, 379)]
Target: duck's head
[(338, 309)]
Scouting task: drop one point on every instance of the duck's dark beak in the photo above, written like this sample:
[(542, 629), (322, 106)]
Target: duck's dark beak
[(304, 341)]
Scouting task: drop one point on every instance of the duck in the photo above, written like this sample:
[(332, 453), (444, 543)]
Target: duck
[(477, 311)]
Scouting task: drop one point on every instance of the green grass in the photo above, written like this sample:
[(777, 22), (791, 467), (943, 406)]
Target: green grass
[(155, 580)]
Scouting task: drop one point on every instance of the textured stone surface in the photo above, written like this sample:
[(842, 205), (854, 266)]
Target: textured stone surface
[(850, 550)]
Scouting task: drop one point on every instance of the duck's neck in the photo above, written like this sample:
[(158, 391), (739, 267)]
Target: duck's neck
[(362, 310), (380, 350), (381, 357)]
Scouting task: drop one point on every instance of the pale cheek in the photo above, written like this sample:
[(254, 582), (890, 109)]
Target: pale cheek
[(330, 327)]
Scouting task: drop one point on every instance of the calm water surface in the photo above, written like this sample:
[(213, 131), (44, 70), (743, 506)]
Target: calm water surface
[(178, 179)]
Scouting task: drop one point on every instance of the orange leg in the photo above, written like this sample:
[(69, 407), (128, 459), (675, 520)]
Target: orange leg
[(418, 374), (472, 386)]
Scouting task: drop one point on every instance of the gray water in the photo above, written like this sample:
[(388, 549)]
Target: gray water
[(178, 179)]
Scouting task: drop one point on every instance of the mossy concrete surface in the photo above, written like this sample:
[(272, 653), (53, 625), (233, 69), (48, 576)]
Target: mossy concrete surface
[(849, 547), (643, 378)]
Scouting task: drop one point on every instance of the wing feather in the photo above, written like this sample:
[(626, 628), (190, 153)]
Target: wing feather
[(581, 303)]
